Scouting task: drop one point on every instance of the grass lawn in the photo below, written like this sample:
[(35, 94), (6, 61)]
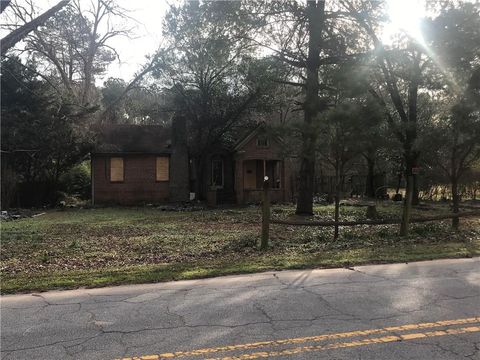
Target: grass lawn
[(106, 246)]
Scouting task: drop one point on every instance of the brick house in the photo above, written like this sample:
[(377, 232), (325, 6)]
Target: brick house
[(140, 164)]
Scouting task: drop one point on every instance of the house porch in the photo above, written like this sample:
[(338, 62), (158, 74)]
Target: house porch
[(249, 178)]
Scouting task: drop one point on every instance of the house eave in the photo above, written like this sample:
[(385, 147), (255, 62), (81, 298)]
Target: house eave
[(108, 153)]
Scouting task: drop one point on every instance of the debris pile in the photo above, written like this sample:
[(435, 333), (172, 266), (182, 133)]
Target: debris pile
[(182, 207), (5, 215), (15, 214)]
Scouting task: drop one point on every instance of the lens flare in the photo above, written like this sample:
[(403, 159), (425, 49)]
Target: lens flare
[(405, 16)]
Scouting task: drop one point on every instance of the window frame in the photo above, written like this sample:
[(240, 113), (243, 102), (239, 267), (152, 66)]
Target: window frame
[(215, 186), (262, 137)]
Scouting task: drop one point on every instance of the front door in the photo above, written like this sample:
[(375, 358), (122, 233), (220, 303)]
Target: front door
[(250, 174)]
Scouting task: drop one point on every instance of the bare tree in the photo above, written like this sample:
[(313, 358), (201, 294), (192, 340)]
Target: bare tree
[(21, 32), (75, 45), (101, 13)]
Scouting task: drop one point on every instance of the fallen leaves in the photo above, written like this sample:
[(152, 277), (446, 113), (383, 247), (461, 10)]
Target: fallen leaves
[(86, 239)]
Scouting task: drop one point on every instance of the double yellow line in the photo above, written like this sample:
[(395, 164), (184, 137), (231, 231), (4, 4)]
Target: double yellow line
[(392, 337)]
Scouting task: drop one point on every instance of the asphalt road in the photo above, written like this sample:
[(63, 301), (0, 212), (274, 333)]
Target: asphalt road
[(425, 310)]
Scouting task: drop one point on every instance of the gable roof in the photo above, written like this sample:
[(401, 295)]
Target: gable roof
[(261, 128), (146, 139)]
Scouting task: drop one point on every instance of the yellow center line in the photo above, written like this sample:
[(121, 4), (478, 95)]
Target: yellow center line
[(363, 342), (272, 343)]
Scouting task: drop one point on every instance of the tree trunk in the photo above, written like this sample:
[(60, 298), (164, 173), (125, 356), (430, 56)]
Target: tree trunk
[(416, 192), (407, 207), (4, 4), (315, 13), (338, 174), (305, 186), (399, 183), (87, 85), (19, 33), (370, 183), (455, 201), (337, 211), (410, 155), (93, 47)]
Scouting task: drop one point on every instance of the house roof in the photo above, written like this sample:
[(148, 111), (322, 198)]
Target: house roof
[(151, 139), (145, 139)]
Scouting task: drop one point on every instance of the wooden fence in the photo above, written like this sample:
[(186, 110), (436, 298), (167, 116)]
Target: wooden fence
[(374, 222), (267, 220)]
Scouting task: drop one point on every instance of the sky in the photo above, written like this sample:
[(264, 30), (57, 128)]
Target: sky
[(147, 34)]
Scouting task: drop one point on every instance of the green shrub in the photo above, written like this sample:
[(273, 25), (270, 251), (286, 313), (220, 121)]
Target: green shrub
[(77, 181)]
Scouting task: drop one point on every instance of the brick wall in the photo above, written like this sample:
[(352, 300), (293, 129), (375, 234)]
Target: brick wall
[(139, 185)]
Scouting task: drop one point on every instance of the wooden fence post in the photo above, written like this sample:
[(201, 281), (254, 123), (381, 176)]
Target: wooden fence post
[(265, 215)]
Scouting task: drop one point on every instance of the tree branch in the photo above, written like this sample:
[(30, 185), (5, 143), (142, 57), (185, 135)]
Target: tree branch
[(18, 34)]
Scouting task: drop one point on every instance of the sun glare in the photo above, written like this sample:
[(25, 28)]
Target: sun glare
[(404, 16)]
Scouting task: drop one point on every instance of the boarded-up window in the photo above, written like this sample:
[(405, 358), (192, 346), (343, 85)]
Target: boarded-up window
[(162, 168), (116, 169)]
